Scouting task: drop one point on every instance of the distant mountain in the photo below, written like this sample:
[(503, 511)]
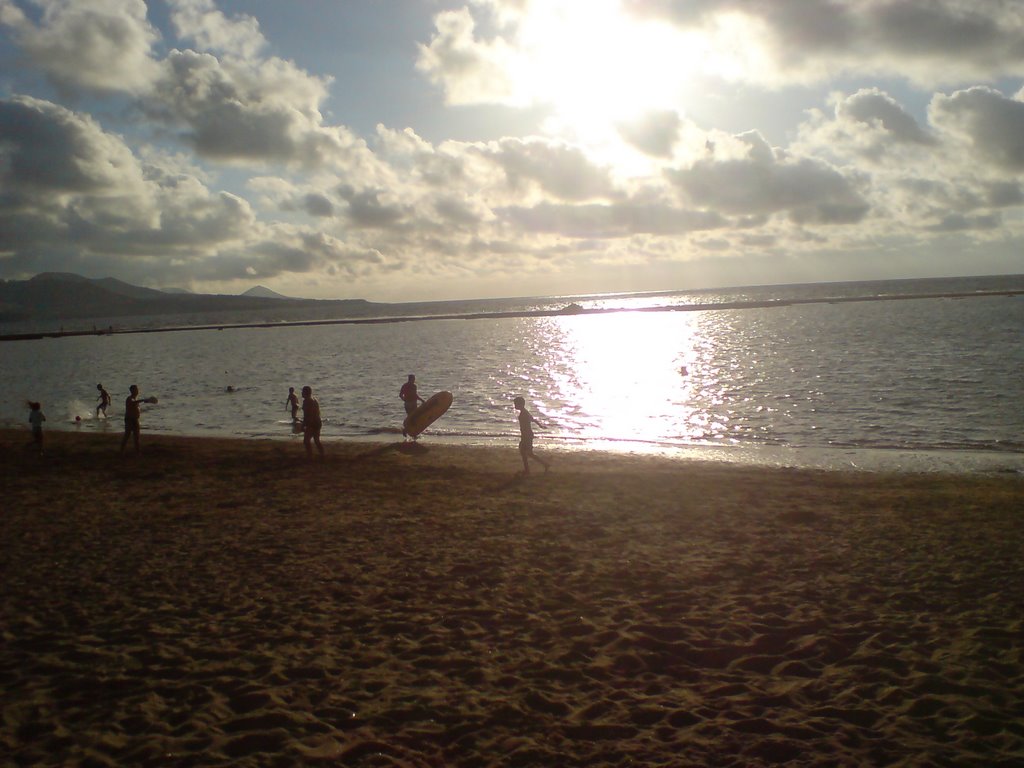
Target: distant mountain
[(262, 292), (177, 291), (111, 284), (63, 296)]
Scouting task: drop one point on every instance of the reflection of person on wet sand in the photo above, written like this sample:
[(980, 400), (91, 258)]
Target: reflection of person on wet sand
[(410, 397), (526, 422), (311, 422), (36, 419), (104, 398), (293, 403)]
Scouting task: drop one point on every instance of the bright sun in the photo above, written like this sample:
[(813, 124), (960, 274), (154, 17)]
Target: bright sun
[(596, 65)]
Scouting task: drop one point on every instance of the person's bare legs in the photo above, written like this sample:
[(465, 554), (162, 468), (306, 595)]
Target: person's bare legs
[(527, 454), (313, 436), (133, 433)]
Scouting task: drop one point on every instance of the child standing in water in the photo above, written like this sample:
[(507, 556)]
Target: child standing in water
[(293, 403), (104, 398), (36, 417), (526, 422)]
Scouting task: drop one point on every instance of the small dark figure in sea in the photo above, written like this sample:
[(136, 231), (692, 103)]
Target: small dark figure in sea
[(526, 422), (104, 398), (36, 417), (410, 396), (293, 403), (311, 422)]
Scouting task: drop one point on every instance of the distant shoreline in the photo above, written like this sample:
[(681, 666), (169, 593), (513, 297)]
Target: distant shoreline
[(571, 309)]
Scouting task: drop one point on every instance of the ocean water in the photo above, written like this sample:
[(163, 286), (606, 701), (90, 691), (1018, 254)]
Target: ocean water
[(922, 384)]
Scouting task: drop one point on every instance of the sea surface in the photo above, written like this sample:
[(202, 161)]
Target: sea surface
[(825, 375)]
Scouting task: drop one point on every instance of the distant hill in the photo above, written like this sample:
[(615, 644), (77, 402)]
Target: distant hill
[(63, 296), (263, 292)]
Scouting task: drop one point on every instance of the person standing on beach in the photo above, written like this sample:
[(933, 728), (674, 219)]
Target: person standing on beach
[(293, 403), (132, 416), (104, 398), (526, 422), (410, 397), (36, 417), (311, 422)]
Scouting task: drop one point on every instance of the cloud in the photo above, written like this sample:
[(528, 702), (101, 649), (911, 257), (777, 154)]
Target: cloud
[(68, 186), (101, 44), (927, 41), (654, 132), (317, 205), (808, 190), (991, 124), (878, 110), (559, 169), (867, 125), (211, 30), (365, 209), (958, 222), (46, 149), (610, 221), (467, 71), (261, 111)]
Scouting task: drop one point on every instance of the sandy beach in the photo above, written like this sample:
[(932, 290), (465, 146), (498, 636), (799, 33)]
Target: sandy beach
[(221, 602)]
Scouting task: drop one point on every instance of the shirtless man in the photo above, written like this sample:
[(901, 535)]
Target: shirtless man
[(410, 397), (311, 422), (526, 422), (132, 414)]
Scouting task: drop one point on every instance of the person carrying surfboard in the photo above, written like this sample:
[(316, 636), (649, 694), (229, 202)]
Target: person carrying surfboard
[(410, 397), (526, 422)]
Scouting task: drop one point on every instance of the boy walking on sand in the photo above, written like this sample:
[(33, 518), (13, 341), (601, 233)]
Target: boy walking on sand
[(311, 422), (526, 422)]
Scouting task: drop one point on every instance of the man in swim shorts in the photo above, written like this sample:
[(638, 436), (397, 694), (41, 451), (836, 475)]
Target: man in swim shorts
[(410, 397), (526, 422), (311, 422), (132, 416)]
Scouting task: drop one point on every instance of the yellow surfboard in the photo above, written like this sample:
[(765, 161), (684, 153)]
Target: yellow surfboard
[(433, 409)]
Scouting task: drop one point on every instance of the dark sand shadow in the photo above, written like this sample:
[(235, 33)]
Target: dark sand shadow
[(513, 482), (409, 449)]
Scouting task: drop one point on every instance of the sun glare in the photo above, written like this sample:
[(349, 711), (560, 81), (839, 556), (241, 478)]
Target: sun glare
[(596, 65), (621, 367)]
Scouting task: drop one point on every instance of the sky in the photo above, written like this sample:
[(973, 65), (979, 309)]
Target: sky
[(406, 150)]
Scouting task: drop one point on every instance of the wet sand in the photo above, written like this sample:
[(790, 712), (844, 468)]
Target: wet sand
[(224, 602)]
